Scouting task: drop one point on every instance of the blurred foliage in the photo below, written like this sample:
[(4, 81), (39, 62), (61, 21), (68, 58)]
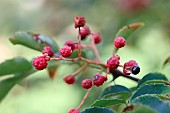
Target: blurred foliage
[(149, 45)]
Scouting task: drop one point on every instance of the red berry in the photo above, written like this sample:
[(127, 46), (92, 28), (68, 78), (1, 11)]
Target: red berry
[(119, 42), (105, 78), (47, 58), (66, 51), (113, 62), (76, 46), (40, 62), (69, 79), (97, 38), (128, 66), (87, 83), (98, 79), (84, 31), (73, 110), (79, 21), (70, 44), (48, 50)]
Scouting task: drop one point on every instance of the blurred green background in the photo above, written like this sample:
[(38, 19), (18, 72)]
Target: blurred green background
[(149, 46)]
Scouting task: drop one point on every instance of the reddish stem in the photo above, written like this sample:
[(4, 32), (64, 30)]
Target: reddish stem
[(80, 69), (79, 43), (114, 50), (84, 98), (93, 62), (116, 73), (85, 46), (62, 58), (93, 46)]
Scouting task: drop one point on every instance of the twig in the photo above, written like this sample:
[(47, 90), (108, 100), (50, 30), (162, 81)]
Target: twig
[(79, 43), (80, 69), (116, 73), (84, 98), (95, 49)]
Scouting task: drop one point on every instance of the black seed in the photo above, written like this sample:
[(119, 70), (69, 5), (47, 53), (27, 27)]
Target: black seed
[(135, 70), (83, 38)]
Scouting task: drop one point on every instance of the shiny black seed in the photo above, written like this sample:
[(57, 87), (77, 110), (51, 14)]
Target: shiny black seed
[(135, 70)]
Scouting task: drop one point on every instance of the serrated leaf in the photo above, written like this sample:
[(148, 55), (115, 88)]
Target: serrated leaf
[(163, 97), (75, 54), (116, 91), (152, 76), (97, 110), (108, 102), (160, 96), (139, 108), (153, 88), (7, 84), (14, 65), (127, 30), (28, 39), (153, 102), (155, 81)]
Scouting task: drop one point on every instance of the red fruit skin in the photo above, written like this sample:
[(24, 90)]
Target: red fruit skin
[(73, 110), (127, 67), (69, 79), (79, 21), (40, 63), (48, 50), (66, 51), (97, 38), (87, 83), (84, 32), (98, 80), (113, 62), (70, 44), (119, 42), (76, 47)]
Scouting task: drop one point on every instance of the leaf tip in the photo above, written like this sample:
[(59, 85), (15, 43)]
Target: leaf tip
[(167, 60)]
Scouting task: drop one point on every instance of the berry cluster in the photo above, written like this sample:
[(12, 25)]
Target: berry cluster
[(65, 53), (40, 62), (113, 62)]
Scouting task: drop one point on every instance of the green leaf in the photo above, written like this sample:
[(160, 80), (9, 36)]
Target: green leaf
[(116, 91), (153, 102), (155, 81), (139, 108), (75, 54), (108, 102), (152, 76), (7, 84), (153, 88), (28, 39), (133, 88), (160, 96), (163, 97), (14, 65), (97, 110), (127, 30)]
